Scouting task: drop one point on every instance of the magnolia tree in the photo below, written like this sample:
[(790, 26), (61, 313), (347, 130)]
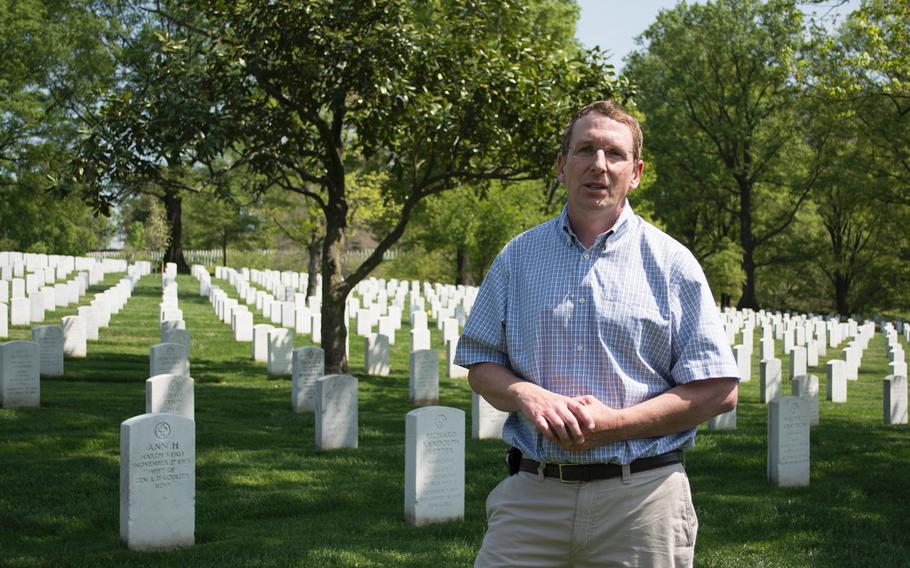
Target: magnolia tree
[(311, 97), (432, 97)]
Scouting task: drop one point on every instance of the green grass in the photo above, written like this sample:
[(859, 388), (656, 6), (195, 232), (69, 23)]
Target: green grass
[(266, 497)]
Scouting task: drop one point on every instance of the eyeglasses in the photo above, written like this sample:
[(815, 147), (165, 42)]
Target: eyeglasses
[(588, 152)]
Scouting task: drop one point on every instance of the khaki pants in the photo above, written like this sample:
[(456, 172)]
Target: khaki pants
[(645, 520)]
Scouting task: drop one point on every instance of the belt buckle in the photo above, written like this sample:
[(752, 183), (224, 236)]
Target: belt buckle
[(563, 480)]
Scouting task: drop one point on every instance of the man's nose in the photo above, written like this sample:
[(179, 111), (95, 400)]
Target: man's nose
[(600, 160)]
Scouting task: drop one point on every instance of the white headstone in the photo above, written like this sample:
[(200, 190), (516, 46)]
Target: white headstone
[(895, 399), (851, 360), (788, 441), (336, 412), (387, 328), (171, 314), (288, 315), (725, 421), (18, 287), (74, 339), (811, 353), (168, 359), (770, 380), (316, 334), (303, 321), (806, 386), (20, 383), (423, 378), (307, 366), (419, 320), (434, 465), (181, 336), (452, 370), (157, 481), (835, 372), (797, 361), (167, 326), (88, 315), (243, 326), (280, 346), (50, 298), (743, 362), (50, 345), (767, 348), (364, 323), (20, 311), (486, 420), (420, 339), (4, 320), (261, 342), (449, 329), (173, 394), (376, 355)]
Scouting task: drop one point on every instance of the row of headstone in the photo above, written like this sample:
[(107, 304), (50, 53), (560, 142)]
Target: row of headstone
[(69, 339), (376, 345), (157, 471), (26, 300)]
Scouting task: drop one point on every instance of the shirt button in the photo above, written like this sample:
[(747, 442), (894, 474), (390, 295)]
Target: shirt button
[(586, 256), (578, 347), (581, 300)]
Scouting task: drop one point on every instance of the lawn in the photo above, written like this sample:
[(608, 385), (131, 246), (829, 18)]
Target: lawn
[(266, 497)]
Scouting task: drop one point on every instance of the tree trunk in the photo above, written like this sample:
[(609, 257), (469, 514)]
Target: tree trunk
[(224, 241), (746, 240), (841, 291), (463, 267), (334, 289), (313, 249), (173, 208)]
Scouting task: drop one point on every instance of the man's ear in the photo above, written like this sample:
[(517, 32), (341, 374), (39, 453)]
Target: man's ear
[(636, 175), (561, 168)]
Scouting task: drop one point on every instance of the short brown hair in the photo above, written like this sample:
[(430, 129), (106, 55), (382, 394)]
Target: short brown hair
[(610, 110)]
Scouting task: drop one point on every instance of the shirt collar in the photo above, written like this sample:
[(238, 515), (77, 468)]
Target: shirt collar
[(620, 227)]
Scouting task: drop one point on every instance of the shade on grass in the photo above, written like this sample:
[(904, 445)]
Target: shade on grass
[(266, 497)]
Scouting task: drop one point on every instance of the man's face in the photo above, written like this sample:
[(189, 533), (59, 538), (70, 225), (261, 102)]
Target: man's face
[(599, 169)]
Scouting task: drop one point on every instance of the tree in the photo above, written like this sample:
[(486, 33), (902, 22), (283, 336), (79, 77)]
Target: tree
[(469, 225), (873, 82), (429, 95), (715, 84), (855, 80), (53, 59), (213, 222), (156, 131)]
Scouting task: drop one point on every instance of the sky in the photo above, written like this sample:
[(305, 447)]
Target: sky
[(613, 24)]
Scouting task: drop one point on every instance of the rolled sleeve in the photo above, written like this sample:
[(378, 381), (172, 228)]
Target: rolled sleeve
[(700, 346), (484, 337)]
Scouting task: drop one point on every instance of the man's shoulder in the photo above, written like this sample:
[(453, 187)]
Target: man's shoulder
[(532, 239), (664, 245)]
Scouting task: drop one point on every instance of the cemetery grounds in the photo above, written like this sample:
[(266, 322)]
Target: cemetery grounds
[(266, 497)]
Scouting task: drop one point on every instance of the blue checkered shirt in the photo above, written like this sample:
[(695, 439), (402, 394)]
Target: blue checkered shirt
[(625, 320)]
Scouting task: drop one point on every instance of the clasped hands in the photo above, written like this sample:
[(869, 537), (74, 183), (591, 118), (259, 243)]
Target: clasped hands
[(574, 423)]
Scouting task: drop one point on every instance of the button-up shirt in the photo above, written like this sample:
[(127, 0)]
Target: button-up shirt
[(624, 320)]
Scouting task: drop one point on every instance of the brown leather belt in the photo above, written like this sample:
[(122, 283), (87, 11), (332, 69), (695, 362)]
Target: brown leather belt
[(574, 473)]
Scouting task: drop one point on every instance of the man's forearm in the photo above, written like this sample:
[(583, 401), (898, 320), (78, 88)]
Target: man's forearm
[(678, 409), (498, 385)]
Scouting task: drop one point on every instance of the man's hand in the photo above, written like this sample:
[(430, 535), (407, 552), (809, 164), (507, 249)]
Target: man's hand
[(606, 424), (562, 420)]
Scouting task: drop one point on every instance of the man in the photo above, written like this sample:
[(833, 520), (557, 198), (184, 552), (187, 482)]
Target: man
[(599, 334)]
